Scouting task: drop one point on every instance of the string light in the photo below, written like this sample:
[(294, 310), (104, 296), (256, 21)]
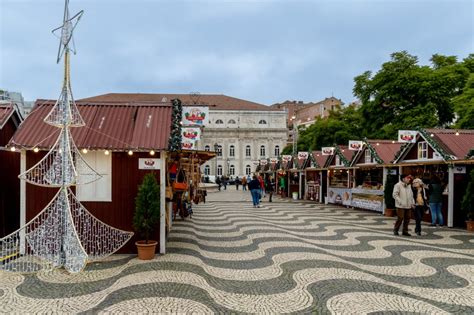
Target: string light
[(36, 150), (152, 152), (457, 133), (130, 152), (84, 151), (106, 152), (13, 149), (431, 135)]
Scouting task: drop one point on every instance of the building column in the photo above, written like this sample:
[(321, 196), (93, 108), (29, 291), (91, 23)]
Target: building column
[(384, 181), (450, 195)]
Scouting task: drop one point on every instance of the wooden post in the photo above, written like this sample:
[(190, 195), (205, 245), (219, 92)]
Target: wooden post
[(450, 195), (384, 182), (163, 170), (22, 201)]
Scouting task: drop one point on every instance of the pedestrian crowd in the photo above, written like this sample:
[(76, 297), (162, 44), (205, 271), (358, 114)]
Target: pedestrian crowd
[(411, 194)]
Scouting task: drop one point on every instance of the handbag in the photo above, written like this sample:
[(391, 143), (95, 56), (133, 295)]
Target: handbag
[(169, 189), (180, 186)]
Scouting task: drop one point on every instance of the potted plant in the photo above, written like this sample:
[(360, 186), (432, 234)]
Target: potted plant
[(147, 215), (389, 210), (467, 205)]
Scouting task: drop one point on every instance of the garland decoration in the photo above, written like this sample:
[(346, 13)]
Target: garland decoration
[(373, 152), (174, 143), (341, 156), (434, 144)]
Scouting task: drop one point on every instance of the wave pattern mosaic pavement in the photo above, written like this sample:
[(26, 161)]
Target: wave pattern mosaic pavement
[(285, 257)]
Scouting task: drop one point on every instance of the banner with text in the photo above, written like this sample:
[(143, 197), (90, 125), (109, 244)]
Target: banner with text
[(190, 133), (328, 150), (355, 145), (407, 136), (193, 116)]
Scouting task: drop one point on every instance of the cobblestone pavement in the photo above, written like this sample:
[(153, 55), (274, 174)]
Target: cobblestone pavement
[(285, 257)]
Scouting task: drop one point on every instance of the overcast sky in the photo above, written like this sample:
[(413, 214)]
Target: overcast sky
[(262, 51)]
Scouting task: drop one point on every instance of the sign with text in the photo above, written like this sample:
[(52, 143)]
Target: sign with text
[(195, 116), (188, 144), (355, 145), (149, 164), (303, 155), (459, 170), (263, 162), (328, 150), (190, 133), (273, 161), (407, 136)]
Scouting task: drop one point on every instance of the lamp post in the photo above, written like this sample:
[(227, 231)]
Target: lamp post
[(228, 167), (216, 147), (293, 118)]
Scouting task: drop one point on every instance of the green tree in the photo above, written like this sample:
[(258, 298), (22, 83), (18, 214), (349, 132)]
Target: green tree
[(147, 206), (464, 103), (404, 95)]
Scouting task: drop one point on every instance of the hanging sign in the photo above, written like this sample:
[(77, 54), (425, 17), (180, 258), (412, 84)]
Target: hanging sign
[(256, 163), (188, 145), (459, 170), (263, 162), (193, 116), (355, 145), (407, 136), (286, 158), (302, 155), (328, 150), (273, 161), (190, 133), (149, 164)]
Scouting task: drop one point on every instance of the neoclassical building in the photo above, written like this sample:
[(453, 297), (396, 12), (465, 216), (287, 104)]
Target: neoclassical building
[(242, 131), (242, 137)]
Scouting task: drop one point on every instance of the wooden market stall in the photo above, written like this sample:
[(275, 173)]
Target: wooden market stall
[(184, 183), (340, 179), (282, 175), (372, 166), (316, 177), (446, 154)]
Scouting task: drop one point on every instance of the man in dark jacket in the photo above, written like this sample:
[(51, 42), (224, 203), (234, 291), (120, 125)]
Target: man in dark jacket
[(254, 187)]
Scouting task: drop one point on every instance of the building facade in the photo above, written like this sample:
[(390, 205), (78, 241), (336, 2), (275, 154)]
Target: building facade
[(242, 138)]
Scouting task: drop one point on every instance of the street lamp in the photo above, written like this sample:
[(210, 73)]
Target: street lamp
[(228, 167), (216, 147), (293, 118)]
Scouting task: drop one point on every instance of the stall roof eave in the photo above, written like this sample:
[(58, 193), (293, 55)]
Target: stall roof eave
[(202, 156)]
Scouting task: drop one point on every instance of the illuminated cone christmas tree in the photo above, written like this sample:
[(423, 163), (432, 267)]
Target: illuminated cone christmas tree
[(64, 233)]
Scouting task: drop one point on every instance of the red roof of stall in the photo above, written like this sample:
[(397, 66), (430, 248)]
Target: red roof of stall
[(456, 145), (6, 110), (114, 126)]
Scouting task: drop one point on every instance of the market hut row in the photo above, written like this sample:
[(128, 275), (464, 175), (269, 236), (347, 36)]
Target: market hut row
[(123, 141), (357, 178)]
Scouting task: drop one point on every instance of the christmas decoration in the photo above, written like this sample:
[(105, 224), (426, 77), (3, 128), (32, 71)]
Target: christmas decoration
[(174, 143), (341, 155), (64, 233), (435, 145)]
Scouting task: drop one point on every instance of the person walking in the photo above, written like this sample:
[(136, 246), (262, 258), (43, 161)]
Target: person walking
[(254, 187), (237, 182), (244, 183), (218, 182), (262, 186), (404, 202), (421, 203), (269, 187), (224, 182), (436, 200)]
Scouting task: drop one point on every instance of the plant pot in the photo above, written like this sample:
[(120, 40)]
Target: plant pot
[(470, 225), (146, 251), (389, 212)]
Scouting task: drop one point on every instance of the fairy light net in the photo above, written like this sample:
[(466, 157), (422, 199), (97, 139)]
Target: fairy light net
[(64, 234)]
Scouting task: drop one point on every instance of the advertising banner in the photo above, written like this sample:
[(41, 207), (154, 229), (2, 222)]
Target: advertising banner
[(328, 150), (341, 196), (407, 136), (355, 145), (188, 144), (190, 133), (149, 164), (195, 116)]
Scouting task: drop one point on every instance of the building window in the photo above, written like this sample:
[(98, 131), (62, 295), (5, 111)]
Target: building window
[(262, 150), (422, 150), (262, 122), (247, 151), (231, 122), (100, 190), (219, 122), (207, 148), (232, 170), (219, 150), (219, 170), (277, 150), (338, 160), (231, 150), (207, 170), (368, 156), (248, 170)]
